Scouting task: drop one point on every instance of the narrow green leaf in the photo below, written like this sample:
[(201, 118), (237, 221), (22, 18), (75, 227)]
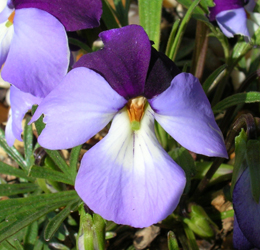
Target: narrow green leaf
[(212, 79), (235, 100), (183, 158), (107, 16), (17, 244), (150, 18), (12, 152), (80, 44), (39, 124), (188, 3), (182, 28), (5, 245), (59, 161), (31, 235), (122, 11), (55, 222), (74, 159), (191, 238), (9, 170), (24, 219), (11, 206), (253, 162), (240, 159), (205, 4), (28, 142), (49, 174), (172, 241), (169, 51), (13, 189)]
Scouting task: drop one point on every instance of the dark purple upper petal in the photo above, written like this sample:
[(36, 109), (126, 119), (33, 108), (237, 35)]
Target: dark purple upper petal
[(124, 60), (246, 209), (74, 15), (221, 5), (160, 74)]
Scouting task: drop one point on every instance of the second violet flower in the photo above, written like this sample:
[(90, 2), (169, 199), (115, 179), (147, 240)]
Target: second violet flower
[(128, 177)]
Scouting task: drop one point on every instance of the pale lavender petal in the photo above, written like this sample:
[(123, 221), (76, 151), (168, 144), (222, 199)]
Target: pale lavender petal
[(223, 5), (77, 109), (240, 242), (20, 104), (184, 111), (39, 54), (246, 209), (124, 61), (5, 11), (128, 177), (6, 35), (74, 15), (233, 22)]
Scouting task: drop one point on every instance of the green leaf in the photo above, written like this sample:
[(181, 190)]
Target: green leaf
[(12, 206), (205, 4), (74, 159), (191, 238), (49, 174), (235, 100), (28, 214), (213, 78), (5, 245), (122, 11), (188, 3), (13, 189), (253, 162), (60, 162), (183, 158), (108, 17), (169, 52), (240, 159), (12, 152), (172, 241), (31, 236), (150, 18), (80, 44), (28, 142), (182, 27), (55, 222), (9, 170)]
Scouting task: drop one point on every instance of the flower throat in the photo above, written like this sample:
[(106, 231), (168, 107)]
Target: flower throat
[(135, 109)]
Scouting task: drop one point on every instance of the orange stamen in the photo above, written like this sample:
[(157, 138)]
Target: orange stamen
[(135, 108), (11, 17)]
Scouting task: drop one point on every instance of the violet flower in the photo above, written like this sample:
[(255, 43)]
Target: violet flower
[(128, 177), (34, 50), (231, 16), (247, 215)]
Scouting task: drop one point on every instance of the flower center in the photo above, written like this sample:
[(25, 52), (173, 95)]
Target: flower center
[(10, 20), (135, 109)]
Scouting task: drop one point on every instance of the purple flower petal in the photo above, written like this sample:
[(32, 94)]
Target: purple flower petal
[(246, 209), (250, 5), (6, 35), (184, 111), (240, 242), (233, 22), (160, 74), (128, 178), (222, 5), (74, 15), (39, 55), (5, 11), (124, 60), (20, 104), (77, 109)]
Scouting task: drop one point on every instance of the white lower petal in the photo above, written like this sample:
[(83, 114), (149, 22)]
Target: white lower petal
[(128, 177), (6, 35)]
